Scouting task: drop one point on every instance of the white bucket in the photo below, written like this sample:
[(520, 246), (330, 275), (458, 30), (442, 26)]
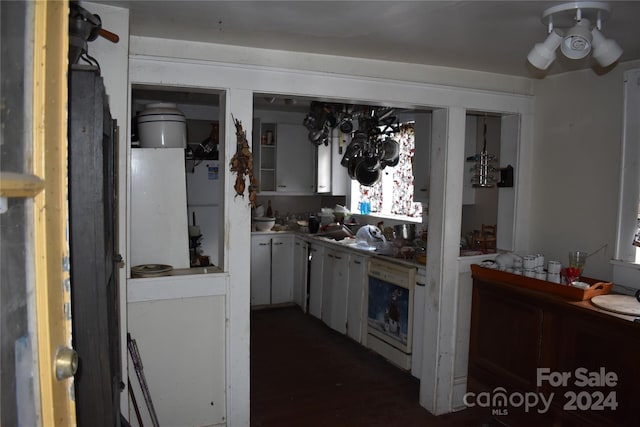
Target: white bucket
[(162, 125)]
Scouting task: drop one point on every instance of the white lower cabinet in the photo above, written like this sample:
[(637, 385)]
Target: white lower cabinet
[(356, 306), (300, 262), (282, 269), (260, 270), (271, 269), (316, 251), (182, 344), (337, 286), (334, 291)]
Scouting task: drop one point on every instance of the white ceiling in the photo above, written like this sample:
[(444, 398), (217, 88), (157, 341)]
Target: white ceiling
[(493, 36)]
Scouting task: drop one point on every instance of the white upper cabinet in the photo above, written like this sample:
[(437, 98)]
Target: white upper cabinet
[(295, 157), (284, 158), (340, 182), (332, 178), (323, 169)]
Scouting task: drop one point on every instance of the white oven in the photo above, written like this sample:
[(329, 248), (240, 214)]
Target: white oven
[(390, 310)]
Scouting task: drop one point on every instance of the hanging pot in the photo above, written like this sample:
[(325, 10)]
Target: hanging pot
[(354, 149), (384, 164), (317, 136), (351, 166), (391, 155), (371, 161), (391, 150), (364, 175), (346, 126)]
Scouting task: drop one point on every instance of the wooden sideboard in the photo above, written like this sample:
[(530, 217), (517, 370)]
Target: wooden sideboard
[(583, 360)]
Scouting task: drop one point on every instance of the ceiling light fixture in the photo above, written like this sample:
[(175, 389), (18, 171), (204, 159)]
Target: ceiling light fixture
[(576, 43), (582, 23)]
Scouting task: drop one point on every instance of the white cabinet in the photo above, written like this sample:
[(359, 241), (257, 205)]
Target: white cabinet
[(327, 285), (418, 323), (264, 154), (340, 181), (271, 269), (182, 344), (260, 270), (316, 252), (282, 269), (332, 178), (283, 158), (300, 261), (421, 157), (356, 306), (334, 291), (323, 169), (295, 157)]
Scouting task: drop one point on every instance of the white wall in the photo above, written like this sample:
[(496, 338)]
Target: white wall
[(245, 56), (576, 166)]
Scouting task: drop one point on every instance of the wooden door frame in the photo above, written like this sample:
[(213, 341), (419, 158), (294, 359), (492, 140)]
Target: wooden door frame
[(50, 215)]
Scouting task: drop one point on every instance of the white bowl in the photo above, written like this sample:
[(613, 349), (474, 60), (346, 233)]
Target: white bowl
[(162, 125), (263, 223)]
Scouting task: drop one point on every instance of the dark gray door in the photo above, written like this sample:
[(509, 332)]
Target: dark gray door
[(94, 263)]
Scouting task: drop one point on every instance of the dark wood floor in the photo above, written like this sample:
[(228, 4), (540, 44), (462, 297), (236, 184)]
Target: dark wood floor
[(305, 374)]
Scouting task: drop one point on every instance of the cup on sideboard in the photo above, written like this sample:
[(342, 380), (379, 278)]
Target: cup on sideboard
[(577, 260), (554, 267)]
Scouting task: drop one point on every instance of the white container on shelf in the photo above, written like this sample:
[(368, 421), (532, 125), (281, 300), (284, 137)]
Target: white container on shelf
[(162, 125)]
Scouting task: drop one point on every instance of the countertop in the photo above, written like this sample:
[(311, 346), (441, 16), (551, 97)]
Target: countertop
[(349, 244), (588, 305), (515, 284)]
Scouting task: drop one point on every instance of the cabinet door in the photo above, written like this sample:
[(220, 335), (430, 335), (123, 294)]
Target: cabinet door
[(355, 296), (501, 321), (300, 259), (191, 331), (295, 157), (323, 169), (260, 270), (281, 269), (339, 291), (332, 177), (340, 182), (327, 286), (315, 280)]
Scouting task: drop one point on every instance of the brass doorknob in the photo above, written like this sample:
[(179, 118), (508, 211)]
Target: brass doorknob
[(66, 363)]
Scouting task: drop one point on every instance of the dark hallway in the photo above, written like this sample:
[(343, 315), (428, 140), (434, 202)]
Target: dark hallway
[(305, 374)]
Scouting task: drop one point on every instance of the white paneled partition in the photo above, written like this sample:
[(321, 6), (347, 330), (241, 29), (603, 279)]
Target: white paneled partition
[(240, 82)]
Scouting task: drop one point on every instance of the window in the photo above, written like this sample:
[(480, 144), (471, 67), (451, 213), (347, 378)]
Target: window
[(627, 253), (392, 195), (636, 239), (628, 210)]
